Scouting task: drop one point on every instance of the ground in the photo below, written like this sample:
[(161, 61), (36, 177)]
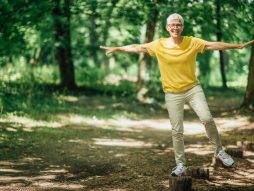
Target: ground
[(105, 143)]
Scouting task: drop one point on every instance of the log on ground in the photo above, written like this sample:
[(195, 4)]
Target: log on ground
[(182, 183)]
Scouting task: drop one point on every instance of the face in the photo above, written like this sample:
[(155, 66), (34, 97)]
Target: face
[(175, 28)]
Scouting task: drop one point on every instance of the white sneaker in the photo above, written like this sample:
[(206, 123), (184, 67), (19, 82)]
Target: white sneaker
[(179, 170), (225, 158)]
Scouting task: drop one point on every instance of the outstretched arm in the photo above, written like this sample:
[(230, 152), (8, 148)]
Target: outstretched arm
[(136, 48), (225, 46)]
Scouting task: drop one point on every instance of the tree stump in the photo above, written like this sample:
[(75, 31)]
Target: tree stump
[(204, 173), (235, 152), (247, 146), (181, 183), (239, 144), (198, 172)]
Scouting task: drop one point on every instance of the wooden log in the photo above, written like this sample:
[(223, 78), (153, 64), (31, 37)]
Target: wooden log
[(239, 144), (247, 146), (198, 172), (235, 152), (181, 183), (204, 173)]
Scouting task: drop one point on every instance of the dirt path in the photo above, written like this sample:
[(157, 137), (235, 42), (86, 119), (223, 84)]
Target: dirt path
[(77, 152)]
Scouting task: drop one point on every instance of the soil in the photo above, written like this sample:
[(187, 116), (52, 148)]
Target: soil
[(76, 152)]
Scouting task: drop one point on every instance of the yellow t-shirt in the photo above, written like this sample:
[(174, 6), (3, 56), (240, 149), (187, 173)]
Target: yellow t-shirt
[(177, 64)]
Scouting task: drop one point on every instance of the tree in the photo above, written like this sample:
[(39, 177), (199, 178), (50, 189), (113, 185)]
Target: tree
[(248, 101), (219, 37), (62, 15), (150, 31), (105, 31), (93, 35)]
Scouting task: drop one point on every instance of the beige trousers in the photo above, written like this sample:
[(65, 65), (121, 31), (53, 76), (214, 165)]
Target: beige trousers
[(175, 105)]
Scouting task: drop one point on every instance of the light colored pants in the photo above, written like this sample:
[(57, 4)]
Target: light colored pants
[(175, 105)]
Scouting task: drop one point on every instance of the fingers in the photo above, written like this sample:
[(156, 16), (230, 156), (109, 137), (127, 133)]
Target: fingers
[(109, 50), (104, 47), (249, 43)]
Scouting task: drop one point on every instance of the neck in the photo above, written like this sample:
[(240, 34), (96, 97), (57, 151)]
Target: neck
[(176, 40)]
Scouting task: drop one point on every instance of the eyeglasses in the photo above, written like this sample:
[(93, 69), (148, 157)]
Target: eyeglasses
[(175, 25)]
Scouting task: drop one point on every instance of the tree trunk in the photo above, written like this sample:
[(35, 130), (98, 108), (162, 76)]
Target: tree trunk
[(105, 62), (205, 68), (248, 101), (61, 13), (93, 37), (145, 58), (219, 37)]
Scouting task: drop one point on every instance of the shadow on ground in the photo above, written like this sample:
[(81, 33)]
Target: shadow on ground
[(84, 150)]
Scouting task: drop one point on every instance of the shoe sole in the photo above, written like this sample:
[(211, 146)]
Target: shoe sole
[(224, 163), (173, 174)]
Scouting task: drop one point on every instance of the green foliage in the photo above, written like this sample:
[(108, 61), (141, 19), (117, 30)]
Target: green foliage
[(28, 42)]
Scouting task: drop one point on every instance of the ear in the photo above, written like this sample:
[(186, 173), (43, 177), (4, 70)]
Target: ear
[(167, 28)]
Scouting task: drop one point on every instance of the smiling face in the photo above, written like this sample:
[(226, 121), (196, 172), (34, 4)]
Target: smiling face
[(175, 28)]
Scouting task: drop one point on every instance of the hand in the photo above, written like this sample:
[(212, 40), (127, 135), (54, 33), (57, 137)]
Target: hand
[(246, 44), (109, 50)]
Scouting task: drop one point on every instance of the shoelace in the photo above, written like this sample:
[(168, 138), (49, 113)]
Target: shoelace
[(224, 155), (178, 166)]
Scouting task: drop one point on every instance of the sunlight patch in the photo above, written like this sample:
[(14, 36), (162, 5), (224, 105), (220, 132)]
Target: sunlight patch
[(240, 177), (55, 185), (122, 143), (124, 124), (54, 171), (11, 129), (30, 159), (68, 98), (193, 128), (120, 155), (27, 122), (230, 123), (201, 150), (7, 163), (77, 141), (9, 170)]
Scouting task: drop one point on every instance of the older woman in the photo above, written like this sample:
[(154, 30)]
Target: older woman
[(176, 56)]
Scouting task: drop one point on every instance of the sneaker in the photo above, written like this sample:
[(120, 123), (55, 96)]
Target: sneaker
[(225, 158), (179, 170)]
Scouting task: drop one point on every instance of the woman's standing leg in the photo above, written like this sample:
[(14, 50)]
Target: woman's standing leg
[(175, 107)]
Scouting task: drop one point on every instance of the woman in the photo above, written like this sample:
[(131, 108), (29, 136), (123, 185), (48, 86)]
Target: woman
[(176, 56)]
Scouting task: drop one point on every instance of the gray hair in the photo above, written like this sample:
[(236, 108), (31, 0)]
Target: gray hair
[(175, 16)]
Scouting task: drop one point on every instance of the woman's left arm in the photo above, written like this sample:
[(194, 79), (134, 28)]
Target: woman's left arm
[(225, 46)]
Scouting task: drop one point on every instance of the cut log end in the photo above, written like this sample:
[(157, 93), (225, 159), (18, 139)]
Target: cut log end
[(182, 183), (248, 146), (245, 145)]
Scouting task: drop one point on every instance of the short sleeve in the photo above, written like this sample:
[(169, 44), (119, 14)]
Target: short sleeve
[(151, 47), (199, 44)]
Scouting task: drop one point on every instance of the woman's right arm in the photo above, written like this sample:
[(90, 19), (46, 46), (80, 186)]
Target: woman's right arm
[(135, 48)]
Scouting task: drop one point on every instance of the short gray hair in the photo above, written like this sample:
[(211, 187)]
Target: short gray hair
[(175, 16)]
